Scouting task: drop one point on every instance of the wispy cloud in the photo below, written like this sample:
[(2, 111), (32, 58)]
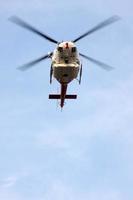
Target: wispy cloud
[(6, 192), (60, 191), (9, 182)]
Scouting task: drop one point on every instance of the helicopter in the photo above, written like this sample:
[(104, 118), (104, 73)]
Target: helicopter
[(65, 59)]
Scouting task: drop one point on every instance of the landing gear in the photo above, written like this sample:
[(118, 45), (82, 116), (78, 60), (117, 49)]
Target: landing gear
[(51, 73), (80, 75)]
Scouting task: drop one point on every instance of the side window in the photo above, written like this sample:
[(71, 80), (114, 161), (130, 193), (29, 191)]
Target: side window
[(73, 49)]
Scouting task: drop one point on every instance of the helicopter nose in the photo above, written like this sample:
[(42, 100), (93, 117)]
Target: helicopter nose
[(66, 45)]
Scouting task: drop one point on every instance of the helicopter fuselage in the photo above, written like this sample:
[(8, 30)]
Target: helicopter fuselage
[(65, 62), (65, 68)]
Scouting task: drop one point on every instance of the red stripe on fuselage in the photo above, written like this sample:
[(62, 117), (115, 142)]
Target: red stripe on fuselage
[(63, 94)]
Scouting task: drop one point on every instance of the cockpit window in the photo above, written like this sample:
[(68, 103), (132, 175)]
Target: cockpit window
[(73, 49), (60, 49)]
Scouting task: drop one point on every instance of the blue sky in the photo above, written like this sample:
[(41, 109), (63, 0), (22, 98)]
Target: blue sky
[(84, 152)]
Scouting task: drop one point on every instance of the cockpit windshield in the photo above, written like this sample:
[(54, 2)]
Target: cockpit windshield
[(60, 49)]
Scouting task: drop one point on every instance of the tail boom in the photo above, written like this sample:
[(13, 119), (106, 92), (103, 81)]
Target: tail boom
[(63, 95)]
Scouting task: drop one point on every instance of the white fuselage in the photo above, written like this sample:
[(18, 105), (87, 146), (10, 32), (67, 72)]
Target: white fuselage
[(65, 62)]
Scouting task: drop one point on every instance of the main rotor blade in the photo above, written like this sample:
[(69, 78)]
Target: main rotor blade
[(25, 25), (99, 26), (97, 62), (34, 62)]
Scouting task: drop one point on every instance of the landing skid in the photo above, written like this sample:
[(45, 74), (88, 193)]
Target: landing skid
[(80, 74), (51, 73)]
